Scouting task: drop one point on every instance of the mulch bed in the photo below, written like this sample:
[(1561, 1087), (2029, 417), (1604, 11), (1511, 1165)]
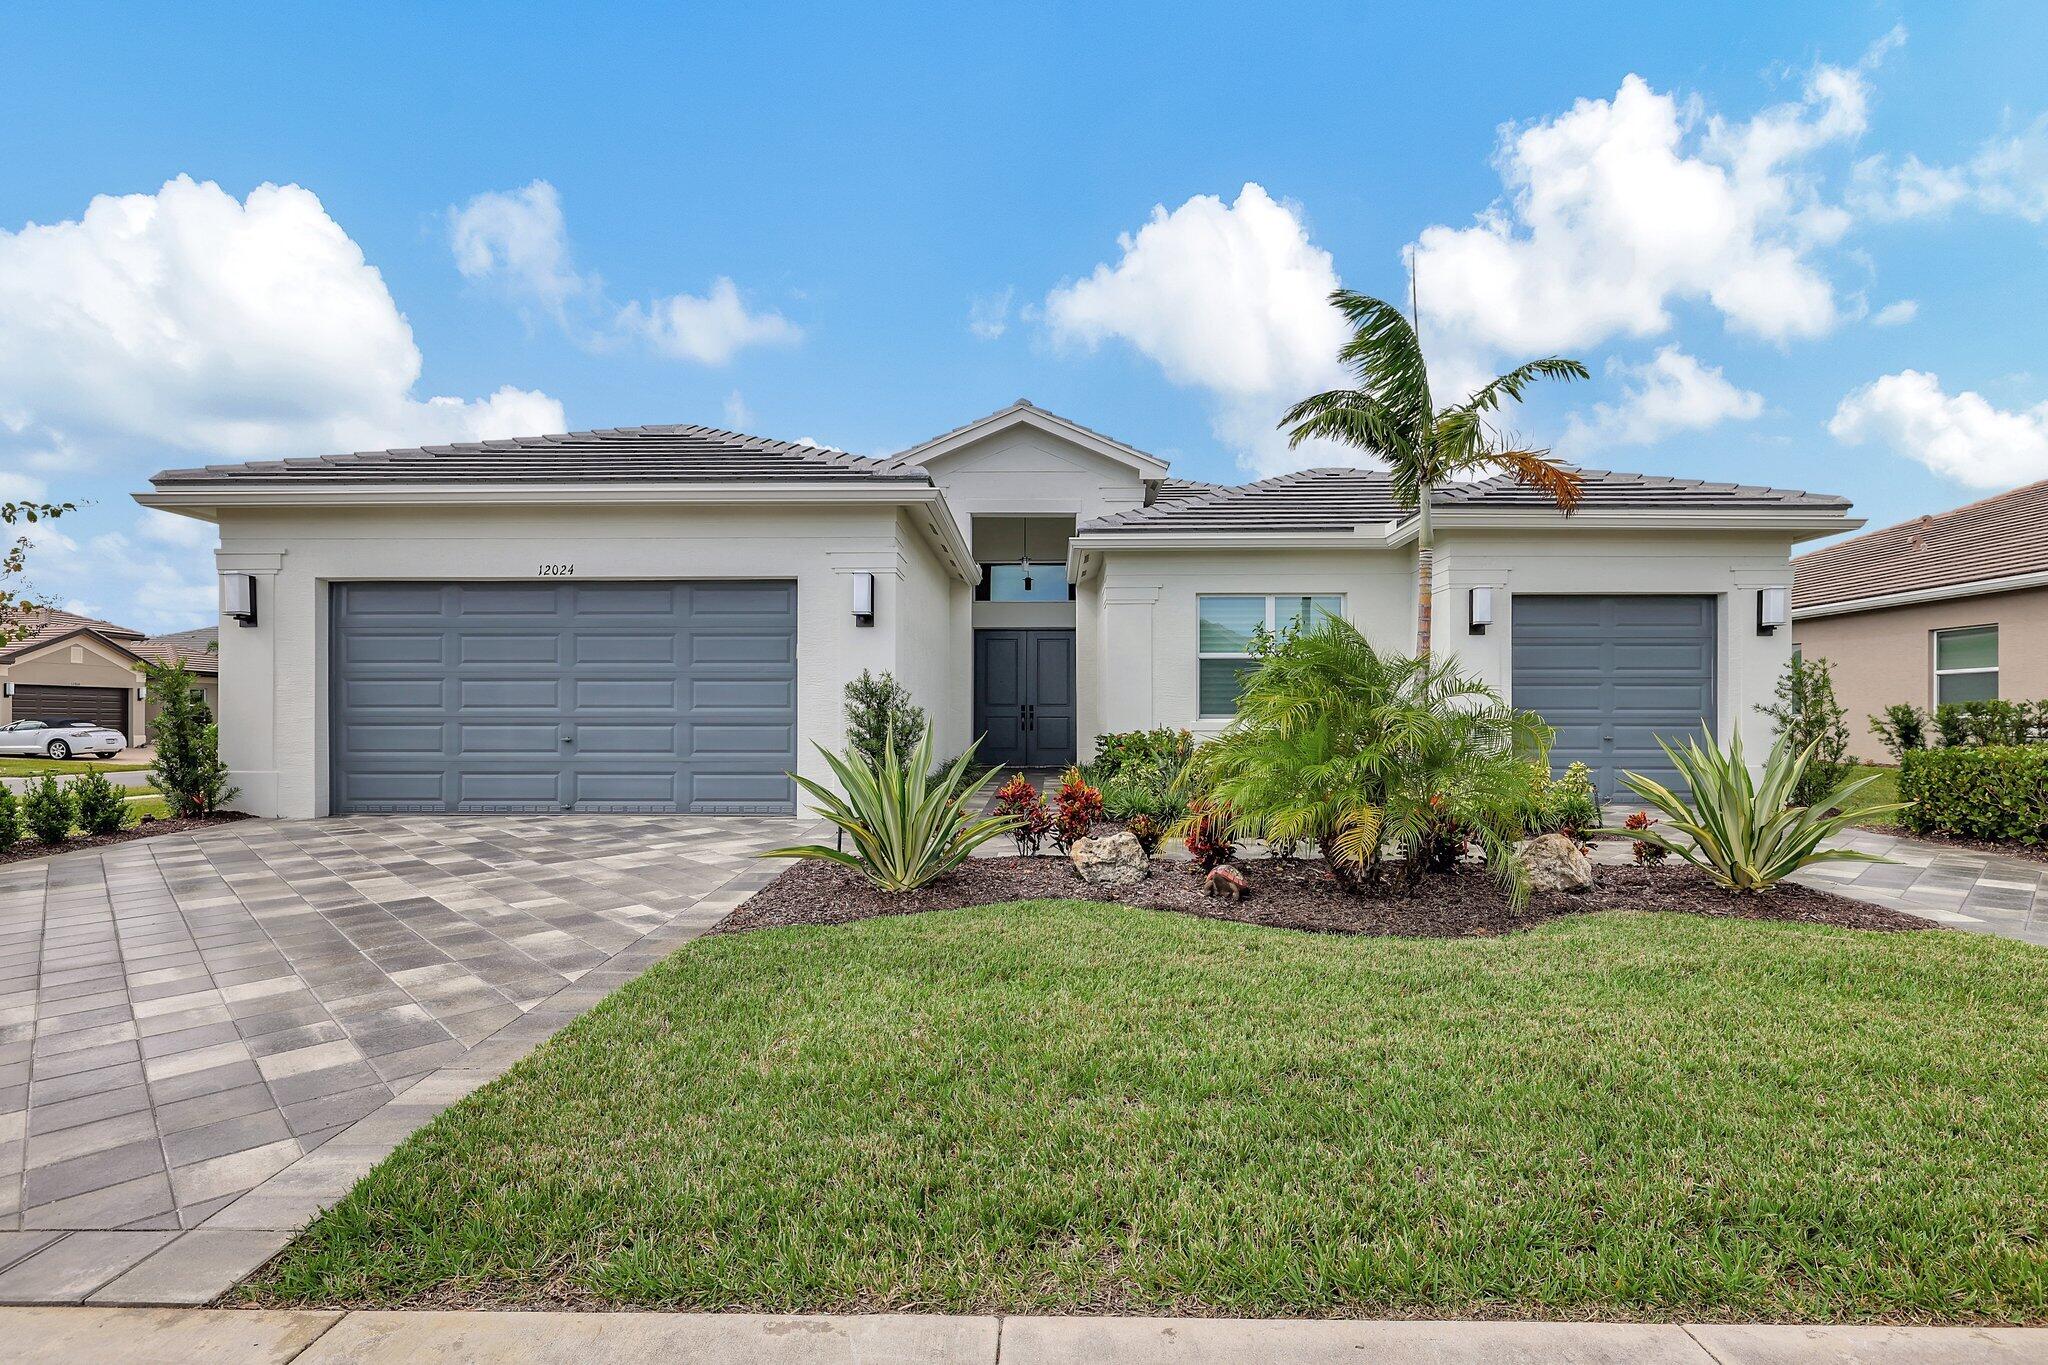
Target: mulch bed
[(33, 848), (1297, 895)]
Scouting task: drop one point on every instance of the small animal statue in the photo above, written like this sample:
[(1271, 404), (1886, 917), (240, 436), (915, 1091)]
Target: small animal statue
[(1225, 882)]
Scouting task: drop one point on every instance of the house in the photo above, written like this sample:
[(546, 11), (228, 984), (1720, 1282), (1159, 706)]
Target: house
[(665, 618), (1949, 607), (197, 649), (67, 666)]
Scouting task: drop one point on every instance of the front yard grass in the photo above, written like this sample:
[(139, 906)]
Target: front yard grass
[(1066, 1107), (62, 767)]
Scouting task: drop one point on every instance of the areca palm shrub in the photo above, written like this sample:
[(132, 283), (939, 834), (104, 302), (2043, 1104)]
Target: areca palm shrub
[(1358, 751)]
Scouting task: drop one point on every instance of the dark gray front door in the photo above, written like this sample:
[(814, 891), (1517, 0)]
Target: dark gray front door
[(563, 696), (1611, 674), (1024, 697)]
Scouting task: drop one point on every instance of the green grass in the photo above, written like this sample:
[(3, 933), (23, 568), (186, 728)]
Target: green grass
[(1058, 1107), (41, 767), (150, 804), (1882, 791)]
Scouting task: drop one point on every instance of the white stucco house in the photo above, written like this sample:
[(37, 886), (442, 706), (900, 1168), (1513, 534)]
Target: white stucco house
[(664, 618)]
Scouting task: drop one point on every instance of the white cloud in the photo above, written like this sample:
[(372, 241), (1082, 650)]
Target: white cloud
[(519, 239), (2007, 174), (1669, 393), (738, 415), (1959, 435), (128, 577), (988, 315), (1895, 314), (187, 318), (710, 329), (1230, 298), (1619, 209)]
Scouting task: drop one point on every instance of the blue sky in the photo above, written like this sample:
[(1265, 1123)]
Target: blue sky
[(1801, 245)]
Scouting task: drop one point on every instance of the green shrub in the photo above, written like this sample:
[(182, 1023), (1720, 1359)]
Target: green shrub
[(878, 708), (1745, 833), (1164, 749), (10, 820), (1999, 792), (1964, 723), (1340, 745), (1812, 722), (1902, 727), (96, 804), (906, 829), (46, 811), (187, 771)]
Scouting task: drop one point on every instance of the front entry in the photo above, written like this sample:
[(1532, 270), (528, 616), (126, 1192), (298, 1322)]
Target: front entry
[(1024, 697)]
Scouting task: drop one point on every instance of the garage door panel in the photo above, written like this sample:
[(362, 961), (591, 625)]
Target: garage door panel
[(106, 706), (467, 707)]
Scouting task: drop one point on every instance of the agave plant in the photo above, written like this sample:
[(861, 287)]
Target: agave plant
[(908, 824), (1745, 832)]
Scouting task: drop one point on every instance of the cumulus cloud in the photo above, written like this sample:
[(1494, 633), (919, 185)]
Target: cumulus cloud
[(1228, 298), (1896, 314), (519, 241), (1621, 208), (1962, 436), (238, 328), (2006, 175), (1669, 393), (144, 577), (988, 315)]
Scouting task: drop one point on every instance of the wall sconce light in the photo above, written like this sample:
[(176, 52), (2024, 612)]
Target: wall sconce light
[(863, 599), (1772, 609), (6, 689), (142, 693), (1481, 610), (238, 597)]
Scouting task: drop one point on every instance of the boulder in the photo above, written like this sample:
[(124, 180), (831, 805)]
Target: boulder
[(1112, 860), (1554, 862)]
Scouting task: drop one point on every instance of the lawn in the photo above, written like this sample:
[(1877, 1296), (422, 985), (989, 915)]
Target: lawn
[(1063, 1107), (44, 767), (1881, 792)]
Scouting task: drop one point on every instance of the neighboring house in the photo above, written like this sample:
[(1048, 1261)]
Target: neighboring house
[(70, 666), (197, 649), (1951, 607), (665, 618)]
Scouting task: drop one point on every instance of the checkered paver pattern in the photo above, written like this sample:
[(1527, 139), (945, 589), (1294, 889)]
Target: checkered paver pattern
[(186, 1018)]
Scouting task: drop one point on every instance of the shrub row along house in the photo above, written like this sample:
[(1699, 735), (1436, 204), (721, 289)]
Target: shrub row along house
[(65, 666), (665, 618)]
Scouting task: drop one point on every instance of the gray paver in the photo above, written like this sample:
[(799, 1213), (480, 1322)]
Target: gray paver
[(192, 1269), (151, 1336), (1742, 1344), (74, 1266), (1223, 1341)]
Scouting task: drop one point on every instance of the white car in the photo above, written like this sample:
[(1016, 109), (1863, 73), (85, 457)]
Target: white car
[(61, 739)]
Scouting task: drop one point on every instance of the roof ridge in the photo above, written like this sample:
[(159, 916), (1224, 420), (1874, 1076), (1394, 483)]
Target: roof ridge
[(1914, 523)]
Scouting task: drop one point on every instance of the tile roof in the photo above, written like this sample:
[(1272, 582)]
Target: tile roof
[(198, 648), (1608, 488), (1180, 490), (675, 454), (909, 457), (1999, 537), (44, 624)]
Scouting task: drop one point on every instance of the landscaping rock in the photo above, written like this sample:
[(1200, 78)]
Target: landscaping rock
[(1554, 862), (1225, 883), (1112, 860)]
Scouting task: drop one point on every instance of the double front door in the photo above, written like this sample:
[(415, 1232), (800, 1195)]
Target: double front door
[(1024, 697)]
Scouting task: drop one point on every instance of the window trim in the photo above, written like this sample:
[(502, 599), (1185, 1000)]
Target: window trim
[(1272, 609), (1936, 672)]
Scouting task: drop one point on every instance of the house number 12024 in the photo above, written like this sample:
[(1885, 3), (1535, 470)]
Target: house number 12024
[(557, 570)]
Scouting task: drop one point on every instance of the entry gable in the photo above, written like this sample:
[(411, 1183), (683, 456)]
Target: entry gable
[(1026, 460)]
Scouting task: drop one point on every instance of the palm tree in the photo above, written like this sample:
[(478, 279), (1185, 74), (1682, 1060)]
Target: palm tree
[(1391, 416)]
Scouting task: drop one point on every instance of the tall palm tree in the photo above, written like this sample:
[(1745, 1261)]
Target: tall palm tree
[(1391, 416)]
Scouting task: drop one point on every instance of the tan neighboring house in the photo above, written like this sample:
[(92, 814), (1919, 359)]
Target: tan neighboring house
[(71, 666), (1950, 607)]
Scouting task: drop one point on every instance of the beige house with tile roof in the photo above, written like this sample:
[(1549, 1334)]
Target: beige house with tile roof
[(72, 666)]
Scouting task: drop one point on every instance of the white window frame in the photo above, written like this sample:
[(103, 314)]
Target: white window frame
[(1272, 608), (1934, 659)]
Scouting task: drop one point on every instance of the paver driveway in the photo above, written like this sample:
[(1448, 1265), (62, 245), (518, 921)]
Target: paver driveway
[(188, 1018)]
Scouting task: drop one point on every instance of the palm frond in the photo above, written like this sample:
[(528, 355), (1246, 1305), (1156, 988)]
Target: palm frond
[(1512, 385)]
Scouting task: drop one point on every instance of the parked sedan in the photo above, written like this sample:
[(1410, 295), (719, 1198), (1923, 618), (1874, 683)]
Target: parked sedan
[(61, 739)]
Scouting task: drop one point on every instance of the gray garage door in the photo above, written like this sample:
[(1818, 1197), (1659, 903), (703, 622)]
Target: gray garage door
[(563, 696), (106, 706), (1613, 673)]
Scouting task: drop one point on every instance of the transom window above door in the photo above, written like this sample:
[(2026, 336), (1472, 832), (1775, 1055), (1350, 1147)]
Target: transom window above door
[(1023, 583), (1229, 625), (1966, 664)]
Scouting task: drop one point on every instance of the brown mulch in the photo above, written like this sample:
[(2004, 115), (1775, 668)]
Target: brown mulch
[(1296, 895), (30, 848)]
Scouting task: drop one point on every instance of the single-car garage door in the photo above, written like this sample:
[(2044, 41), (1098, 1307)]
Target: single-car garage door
[(1611, 674), (106, 706), (563, 696)]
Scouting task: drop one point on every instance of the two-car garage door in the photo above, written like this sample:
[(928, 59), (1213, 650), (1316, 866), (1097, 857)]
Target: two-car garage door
[(586, 696), (1611, 674)]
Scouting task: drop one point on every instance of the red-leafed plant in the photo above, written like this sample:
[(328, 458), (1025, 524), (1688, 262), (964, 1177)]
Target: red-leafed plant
[(1019, 799), (1208, 834), (1077, 808), (1646, 852), (1147, 831)]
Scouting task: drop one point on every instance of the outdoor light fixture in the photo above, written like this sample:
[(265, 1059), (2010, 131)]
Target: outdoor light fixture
[(6, 689), (142, 693), (238, 597), (863, 599), (1025, 565), (1482, 610), (1772, 609)]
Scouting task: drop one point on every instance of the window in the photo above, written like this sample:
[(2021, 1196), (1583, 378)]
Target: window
[(1224, 646), (1966, 664), (1023, 583)]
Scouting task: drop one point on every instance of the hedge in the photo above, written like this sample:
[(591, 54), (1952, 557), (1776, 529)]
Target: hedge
[(1999, 792)]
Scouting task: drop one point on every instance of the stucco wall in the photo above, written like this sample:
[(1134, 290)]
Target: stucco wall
[(274, 675), (1882, 657), (79, 662), (928, 656), (1025, 471)]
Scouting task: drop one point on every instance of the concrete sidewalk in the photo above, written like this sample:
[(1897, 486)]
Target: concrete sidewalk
[(112, 1336)]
